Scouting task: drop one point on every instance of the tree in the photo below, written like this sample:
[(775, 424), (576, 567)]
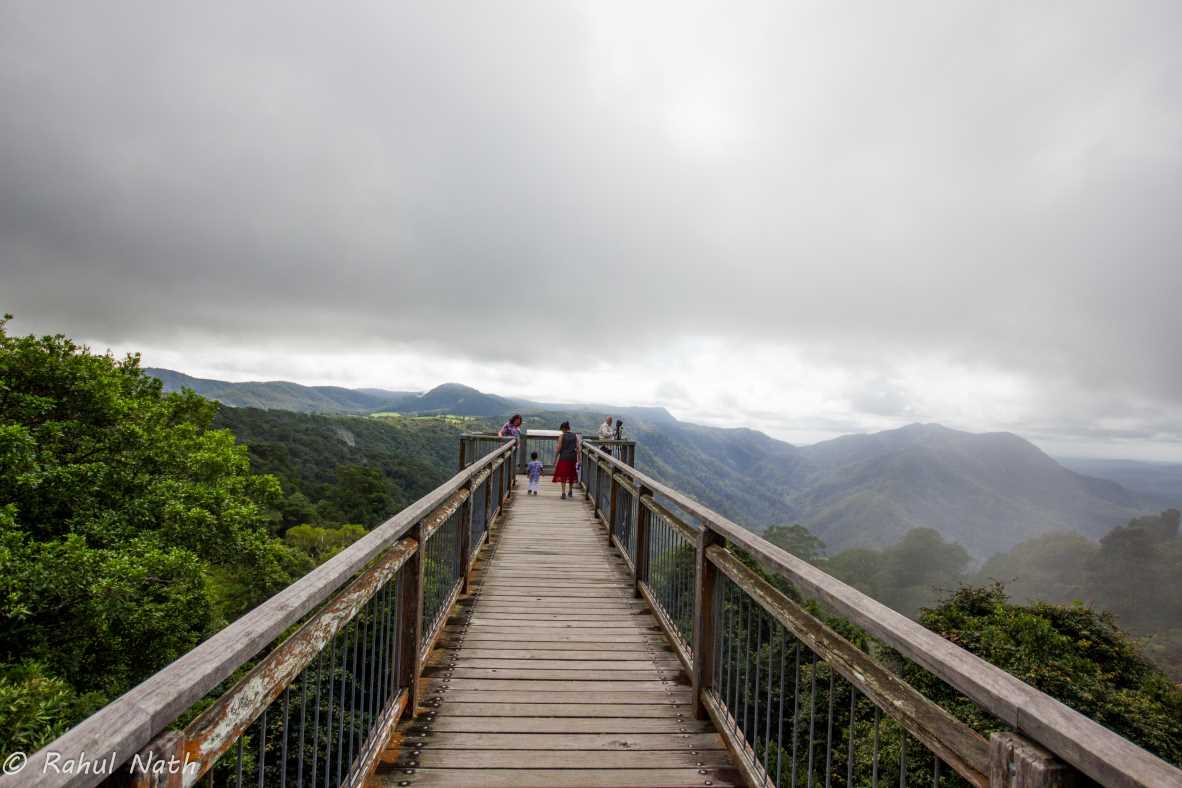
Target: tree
[(1051, 568), (323, 543), (1135, 573), (797, 540), (905, 576), (1072, 653), (117, 503)]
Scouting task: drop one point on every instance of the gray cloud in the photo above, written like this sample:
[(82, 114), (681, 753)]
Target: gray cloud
[(864, 183)]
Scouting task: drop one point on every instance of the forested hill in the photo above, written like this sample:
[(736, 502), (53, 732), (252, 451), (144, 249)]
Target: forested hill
[(347, 469), (987, 492), (280, 395)]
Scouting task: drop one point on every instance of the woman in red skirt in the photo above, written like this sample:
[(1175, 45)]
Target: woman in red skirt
[(566, 455)]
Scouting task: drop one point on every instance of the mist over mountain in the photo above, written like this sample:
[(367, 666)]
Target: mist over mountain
[(1156, 483), (987, 492)]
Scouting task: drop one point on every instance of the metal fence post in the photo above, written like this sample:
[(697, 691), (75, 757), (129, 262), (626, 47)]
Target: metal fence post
[(466, 537), (642, 516), (705, 577), (410, 591), (611, 512)]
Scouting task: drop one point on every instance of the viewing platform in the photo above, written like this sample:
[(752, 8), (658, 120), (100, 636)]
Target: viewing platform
[(626, 637)]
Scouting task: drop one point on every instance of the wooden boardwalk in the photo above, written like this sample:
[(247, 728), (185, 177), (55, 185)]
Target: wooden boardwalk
[(551, 674)]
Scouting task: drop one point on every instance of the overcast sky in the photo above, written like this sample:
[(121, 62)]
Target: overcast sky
[(811, 218)]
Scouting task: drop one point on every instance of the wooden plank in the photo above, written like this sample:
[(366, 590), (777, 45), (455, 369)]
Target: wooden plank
[(622, 626), (571, 778), (552, 685), (625, 615), (626, 647), (570, 759), (569, 741), (651, 674), (664, 655), (539, 592), (454, 708), (537, 628), (675, 695), (545, 607), (466, 661), (625, 725), (570, 636)]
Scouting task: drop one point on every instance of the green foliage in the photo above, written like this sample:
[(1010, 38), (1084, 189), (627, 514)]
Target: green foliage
[(36, 707), (907, 575), (1072, 653), (1136, 571), (118, 507), (797, 540), (346, 469), (323, 543), (1132, 573), (1051, 567)]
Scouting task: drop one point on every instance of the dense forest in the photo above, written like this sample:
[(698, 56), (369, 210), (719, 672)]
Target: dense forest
[(135, 523)]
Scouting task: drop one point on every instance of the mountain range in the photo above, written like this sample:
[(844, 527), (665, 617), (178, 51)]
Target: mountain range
[(986, 491)]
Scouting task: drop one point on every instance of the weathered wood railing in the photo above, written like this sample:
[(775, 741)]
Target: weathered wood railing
[(797, 703), (318, 706)]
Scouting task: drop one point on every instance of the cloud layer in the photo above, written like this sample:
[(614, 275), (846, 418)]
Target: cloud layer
[(861, 214)]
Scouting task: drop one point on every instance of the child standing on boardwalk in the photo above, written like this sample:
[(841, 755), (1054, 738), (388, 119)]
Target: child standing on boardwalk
[(534, 469)]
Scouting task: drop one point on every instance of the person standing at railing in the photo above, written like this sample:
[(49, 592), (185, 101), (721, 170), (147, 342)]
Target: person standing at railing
[(511, 428), (565, 454), (605, 429)]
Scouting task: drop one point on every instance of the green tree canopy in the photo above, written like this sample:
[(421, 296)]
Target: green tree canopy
[(116, 502), (907, 575), (1051, 568), (796, 539), (1071, 652)]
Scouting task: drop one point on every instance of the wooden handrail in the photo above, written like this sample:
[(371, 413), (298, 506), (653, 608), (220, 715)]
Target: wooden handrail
[(128, 723), (1098, 752)]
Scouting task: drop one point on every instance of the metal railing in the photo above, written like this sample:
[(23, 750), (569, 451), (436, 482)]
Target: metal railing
[(316, 706), (475, 446), (624, 451), (800, 705)]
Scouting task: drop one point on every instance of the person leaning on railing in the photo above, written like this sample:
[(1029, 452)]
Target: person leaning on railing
[(511, 428), (565, 455)]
